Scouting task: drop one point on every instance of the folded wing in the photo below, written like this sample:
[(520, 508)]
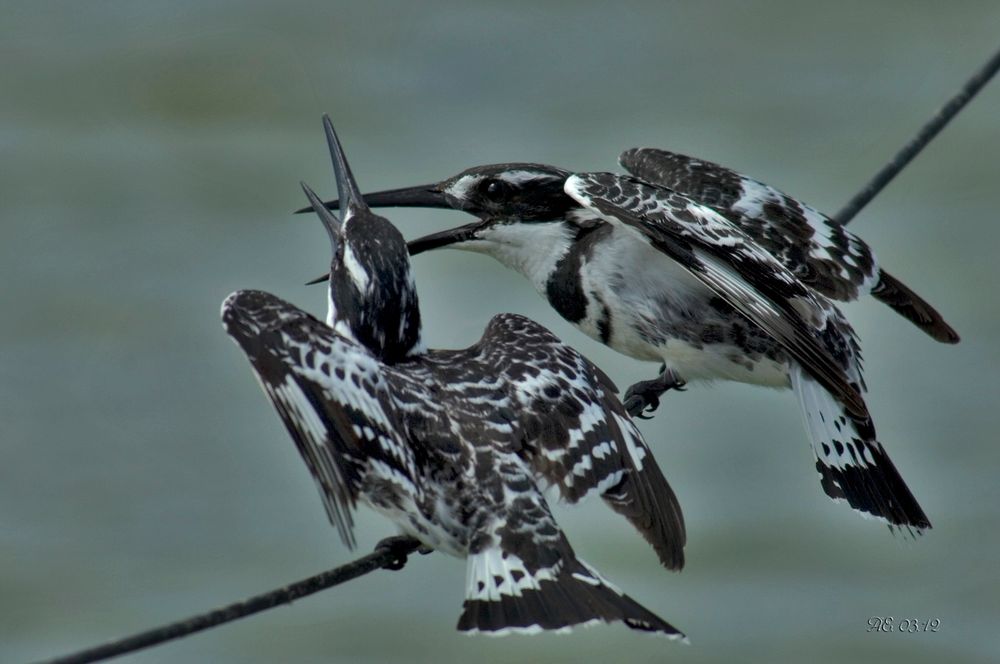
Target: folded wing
[(727, 261), (819, 251)]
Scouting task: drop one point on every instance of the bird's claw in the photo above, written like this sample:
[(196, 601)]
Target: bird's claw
[(400, 547), (644, 396), (635, 405)]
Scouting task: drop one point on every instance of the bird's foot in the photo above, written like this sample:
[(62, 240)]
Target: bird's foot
[(644, 396), (400, 547)]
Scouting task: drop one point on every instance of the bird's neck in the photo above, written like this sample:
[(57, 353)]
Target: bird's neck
[(386, 321), (373, 299), (564, 288), (533, 250)]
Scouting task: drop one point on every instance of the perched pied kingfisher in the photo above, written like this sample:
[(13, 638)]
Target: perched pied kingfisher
[(455, 446), (713, 274)]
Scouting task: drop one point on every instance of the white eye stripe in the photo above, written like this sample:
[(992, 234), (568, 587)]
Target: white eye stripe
[(466, 185), (521, 177), (461, 187)]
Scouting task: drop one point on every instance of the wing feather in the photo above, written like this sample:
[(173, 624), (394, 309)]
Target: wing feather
[(818, 250), (576, 435), (727, 261), (331, 396)]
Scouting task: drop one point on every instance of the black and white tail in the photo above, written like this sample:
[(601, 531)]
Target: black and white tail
[(914, 308), (852, 464), (505, 595)]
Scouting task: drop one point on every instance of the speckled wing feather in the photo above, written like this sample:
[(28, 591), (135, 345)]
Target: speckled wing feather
[(575, 433), (819, 251), (330, 395), (728, 262)]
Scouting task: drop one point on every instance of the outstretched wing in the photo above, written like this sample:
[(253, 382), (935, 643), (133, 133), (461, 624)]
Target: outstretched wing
[(818, 250), (331, 396), (727, 261), (576, 435)]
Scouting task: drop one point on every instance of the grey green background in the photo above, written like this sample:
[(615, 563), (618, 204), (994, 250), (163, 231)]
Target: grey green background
[(151, 154)]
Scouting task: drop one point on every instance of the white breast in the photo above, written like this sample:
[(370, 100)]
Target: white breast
[(657, 310)]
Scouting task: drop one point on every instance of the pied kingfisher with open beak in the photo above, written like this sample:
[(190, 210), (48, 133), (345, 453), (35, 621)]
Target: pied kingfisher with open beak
[(456, 446), (713, 274)]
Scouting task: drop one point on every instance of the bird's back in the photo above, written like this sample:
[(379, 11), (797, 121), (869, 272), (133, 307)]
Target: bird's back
[(520, 389), (817, 249)]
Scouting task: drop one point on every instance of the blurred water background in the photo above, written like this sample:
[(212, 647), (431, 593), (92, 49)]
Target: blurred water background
[(151, 154)]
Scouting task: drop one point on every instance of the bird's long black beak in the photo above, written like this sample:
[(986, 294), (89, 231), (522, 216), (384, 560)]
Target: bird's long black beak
[(432, 241), (444, 238), (330, 222), (350, 200), (422, 196)]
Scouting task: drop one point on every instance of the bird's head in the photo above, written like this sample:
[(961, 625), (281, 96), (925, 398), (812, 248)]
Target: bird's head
[(372, 295), (523, 215), (523, 192)]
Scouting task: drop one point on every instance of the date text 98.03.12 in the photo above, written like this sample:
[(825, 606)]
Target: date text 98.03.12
[(904, 625)]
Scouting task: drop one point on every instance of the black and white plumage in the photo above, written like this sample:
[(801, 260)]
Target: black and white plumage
[(706, 271), (457, 447), (818, 250)]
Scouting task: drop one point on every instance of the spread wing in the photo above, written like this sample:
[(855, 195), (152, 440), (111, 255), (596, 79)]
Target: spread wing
[(575, 433), (331, 396), (726, 260), (818, 250)]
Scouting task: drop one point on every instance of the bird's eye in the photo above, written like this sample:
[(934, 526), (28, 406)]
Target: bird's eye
[(494, 190)]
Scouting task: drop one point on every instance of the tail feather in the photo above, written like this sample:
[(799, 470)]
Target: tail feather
[(914, 308), (852, 464), (504, 596)]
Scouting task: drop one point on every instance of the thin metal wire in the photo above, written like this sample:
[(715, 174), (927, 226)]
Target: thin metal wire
[(920, 141), (388, 554)]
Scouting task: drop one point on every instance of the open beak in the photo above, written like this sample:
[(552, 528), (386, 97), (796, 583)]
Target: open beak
[(432, 241), (347, 189), (422, 196)]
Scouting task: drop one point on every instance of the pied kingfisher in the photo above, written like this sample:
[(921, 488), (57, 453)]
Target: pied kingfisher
[(455, 446), (711, 273)]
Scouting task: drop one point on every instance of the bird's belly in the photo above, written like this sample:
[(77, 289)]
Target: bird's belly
[(694, 362), (694, 354), (427, 519), (655, 310), (430, 532)]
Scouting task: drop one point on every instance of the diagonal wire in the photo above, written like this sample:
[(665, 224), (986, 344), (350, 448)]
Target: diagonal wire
[(388, 554), (920, 141)]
